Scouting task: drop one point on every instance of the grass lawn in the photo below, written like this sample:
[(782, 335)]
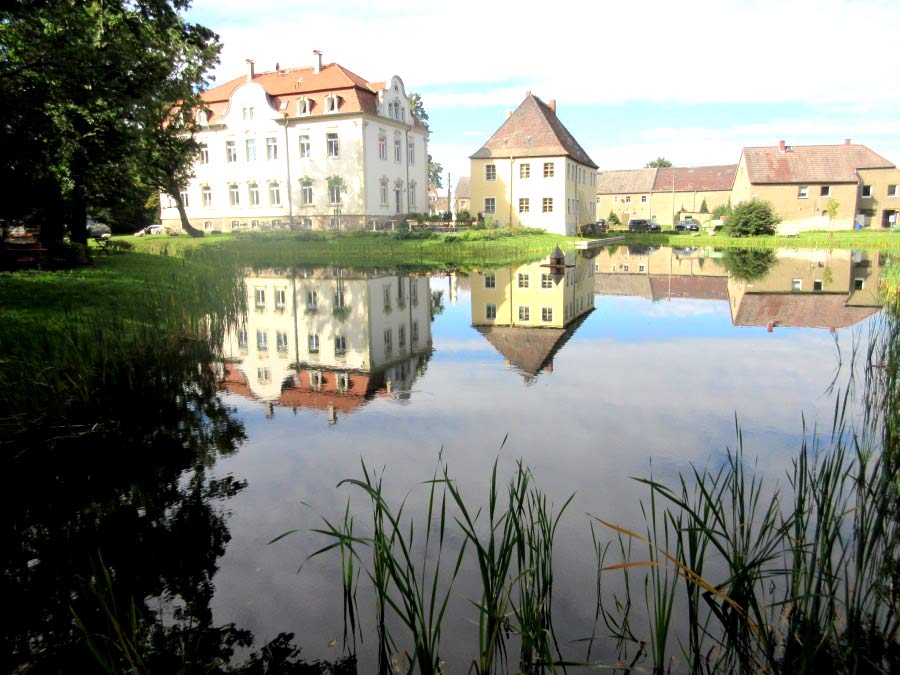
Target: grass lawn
[(862, 239)]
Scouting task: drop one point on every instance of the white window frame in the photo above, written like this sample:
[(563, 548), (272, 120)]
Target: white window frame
[(825, 191), (891, 191), (490, 280), (524, 205), (492, 209), (866, 192), (524, 313), (549, 169), (204, 153), (547, 205), (250, 149), (803, 192), (234, 194), (382, 146), (524, 171), (490, 172), (523, 280), (305, 146), (546, 314), (231, 152), (271, 148), (306, 193), (274, 193), (332, 144), (490, 312), (253, 191)]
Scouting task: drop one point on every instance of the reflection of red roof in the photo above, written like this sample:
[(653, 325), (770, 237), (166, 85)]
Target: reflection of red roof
[(695, 178), (531, 350), (800, 310), (697, 288), (810, 163), (299, 392), (235, 383)]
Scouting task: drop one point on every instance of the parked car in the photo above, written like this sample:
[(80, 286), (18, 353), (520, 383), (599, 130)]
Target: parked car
[(688, 225), (642, 225), (150, 229)]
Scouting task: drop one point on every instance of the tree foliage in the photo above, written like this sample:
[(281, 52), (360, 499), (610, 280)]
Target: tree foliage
[(613, 219), (661, 162), (417, 108), (85, 87), (722, 211), (753, 218), (704, 207), (434, 174)]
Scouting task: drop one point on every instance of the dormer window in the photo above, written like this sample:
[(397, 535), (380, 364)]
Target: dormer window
[(202, 118), (304, 106), (332, 103)]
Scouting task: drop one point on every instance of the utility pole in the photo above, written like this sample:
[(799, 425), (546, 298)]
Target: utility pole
[(449, 203)]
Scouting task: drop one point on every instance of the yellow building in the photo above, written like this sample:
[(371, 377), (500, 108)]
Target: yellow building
[(533, 172), (528, 312), (800, 181), (665, 194), (462, 195), (879, 197)]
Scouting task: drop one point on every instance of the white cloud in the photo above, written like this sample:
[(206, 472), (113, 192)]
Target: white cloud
[(799, 50)]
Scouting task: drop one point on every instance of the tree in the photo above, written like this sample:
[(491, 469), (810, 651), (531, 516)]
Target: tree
[(703, 206), (417, 108), (753, 218), (660, 162), (336, 187), (100, 73), (722, 211), (613, 219), (434, 174)]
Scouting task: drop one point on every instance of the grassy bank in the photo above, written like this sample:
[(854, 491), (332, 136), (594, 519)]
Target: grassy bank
[(862, 239), (362, 249)]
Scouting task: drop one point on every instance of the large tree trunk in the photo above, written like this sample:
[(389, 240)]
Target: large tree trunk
[(77, 219), (185, 223)]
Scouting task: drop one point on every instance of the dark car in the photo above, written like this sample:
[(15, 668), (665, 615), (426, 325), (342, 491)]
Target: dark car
[(687, 225), (642, 225), (95, 229)]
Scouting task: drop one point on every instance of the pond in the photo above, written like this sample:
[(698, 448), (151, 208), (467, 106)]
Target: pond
[(625, 362)]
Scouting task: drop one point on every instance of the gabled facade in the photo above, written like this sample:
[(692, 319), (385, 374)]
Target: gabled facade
[(312, 148), (533, 172), (801, 180)]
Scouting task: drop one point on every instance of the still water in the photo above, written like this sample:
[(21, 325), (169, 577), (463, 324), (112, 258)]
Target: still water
[(628, 362), (631, 362)]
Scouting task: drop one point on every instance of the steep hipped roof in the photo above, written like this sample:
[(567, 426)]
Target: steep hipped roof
[(629, 180), (463, 191), (289, 84), (533, 130), (805, 310), (810, 163), (695, 178)]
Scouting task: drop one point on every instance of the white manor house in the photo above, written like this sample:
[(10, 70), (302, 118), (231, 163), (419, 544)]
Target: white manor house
[(305, 148)]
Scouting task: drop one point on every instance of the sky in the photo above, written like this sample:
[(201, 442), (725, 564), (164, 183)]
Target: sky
[(693, 82)]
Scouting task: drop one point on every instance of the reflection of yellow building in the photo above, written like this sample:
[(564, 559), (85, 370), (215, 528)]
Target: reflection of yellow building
[(658, 273), (528, 312), (328, 338), (811, 289)]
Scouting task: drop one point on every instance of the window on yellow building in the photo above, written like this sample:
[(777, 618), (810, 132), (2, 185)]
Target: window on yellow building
[(490, 205), (548, 169), (803, 192), (490, 172), (524, 170), (628, 199), (548, 205), (825, 191), (523, 205), (524, 313), (867, 191), (546, 314), (490, 311), (891, 190), (643, 199), (523, 280), (490, 280)]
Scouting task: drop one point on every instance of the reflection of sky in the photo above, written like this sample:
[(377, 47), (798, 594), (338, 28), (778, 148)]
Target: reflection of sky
[(638, 381)]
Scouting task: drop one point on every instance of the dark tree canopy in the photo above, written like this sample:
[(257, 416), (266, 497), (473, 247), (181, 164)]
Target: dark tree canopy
[(86, 87), (746, 264), (658, 162), (753, 218)]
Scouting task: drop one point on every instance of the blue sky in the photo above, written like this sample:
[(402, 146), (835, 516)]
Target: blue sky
[(694, 82)]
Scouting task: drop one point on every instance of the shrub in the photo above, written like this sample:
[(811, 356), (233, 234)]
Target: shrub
[(752, 219), (613, 219), (747, 265), (420, 218), (722, 211), (703, 206), (64, 254), (119, 246)]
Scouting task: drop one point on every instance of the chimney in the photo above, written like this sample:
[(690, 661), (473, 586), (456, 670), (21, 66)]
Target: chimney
[(552, 105), (781, 146), (317, 67), (250, 70), (508, 114), (846, 141)]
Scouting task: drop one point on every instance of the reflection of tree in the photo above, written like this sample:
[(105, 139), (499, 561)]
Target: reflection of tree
[(641, 249), (137, 492), (746, 264), (437, 303)]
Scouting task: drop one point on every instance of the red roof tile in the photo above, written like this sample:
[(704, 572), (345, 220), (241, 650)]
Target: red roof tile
[(533, 130), (810, 163), (806, 310), (695, 178)]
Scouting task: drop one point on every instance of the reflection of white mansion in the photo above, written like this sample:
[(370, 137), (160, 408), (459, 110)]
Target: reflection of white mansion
[(273, 143), (329, 338)]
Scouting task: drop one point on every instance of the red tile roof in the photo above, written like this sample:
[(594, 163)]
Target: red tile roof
[(695, 178), (810, 163), (289, 84), (533, 130), (625, 180), (697, 288)]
